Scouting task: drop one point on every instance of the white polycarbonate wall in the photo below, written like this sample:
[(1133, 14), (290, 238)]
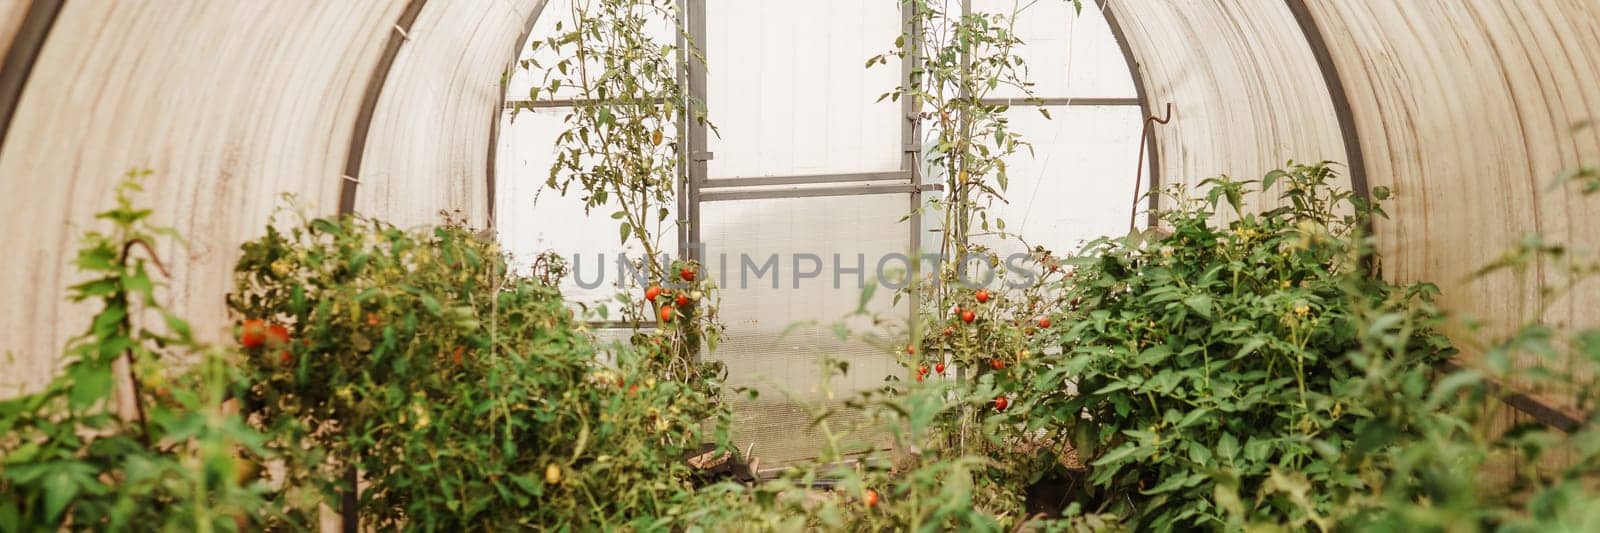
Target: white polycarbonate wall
[(378, 106), (805, 163)]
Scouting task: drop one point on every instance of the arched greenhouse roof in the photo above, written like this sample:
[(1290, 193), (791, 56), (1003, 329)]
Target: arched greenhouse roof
[(1465, 110)]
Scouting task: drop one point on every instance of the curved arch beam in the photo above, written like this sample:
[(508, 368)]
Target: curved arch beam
[(23, 29), (500, 105), (426, 153), (1336, 93), (369, 105), (1145, 109), (1242, 104)]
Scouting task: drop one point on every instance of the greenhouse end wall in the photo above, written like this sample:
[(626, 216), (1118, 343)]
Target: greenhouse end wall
[(231, 104)]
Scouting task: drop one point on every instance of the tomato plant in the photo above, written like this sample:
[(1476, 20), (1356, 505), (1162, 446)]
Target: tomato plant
[(473, 384), (1198, 345), (180, 460)]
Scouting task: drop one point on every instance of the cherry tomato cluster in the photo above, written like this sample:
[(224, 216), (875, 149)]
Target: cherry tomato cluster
[(967, 313), (922, 370), (679, 299), (669, 307), (255, 333)]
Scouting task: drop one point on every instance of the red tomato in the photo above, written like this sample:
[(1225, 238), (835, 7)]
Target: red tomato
[(457, 355), (666, 313), (922, 370), (373, 320), (277, 335), (911, 350), (1044, 322), (687, 274), (252, 333), (683, 300), (871, 498), (982, 295), (968, 316), (939, 367), (652, 292), (285, 356), (1000, 403), (919, 378), (997, 364)]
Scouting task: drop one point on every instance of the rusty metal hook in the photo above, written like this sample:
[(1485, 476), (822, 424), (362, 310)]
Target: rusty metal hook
[(1138, 171)]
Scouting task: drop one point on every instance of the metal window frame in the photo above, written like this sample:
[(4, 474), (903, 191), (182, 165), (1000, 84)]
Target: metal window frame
[(1058, 101), (693, 167), (523, 103), (906, 180), (815, 192), (696, 187), (697, 144), (807, 179)]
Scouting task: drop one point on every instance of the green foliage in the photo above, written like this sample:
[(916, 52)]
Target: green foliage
[(1438, 452), (621, 145), (67, 460), (622, 148), (1207, 360), (918, 481), (957, 60), (1228, 370), (467, 397)]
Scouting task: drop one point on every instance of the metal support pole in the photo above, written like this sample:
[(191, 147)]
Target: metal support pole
[(911, 151), (694, 149)]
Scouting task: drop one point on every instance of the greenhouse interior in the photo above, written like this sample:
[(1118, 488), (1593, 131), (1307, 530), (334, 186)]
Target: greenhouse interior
[(800, 265)]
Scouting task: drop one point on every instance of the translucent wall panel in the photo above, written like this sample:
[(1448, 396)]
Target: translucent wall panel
[(861, 230), (1078, 184), (1244, 85), (532, 217), (788, 91), (1067, 54)]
